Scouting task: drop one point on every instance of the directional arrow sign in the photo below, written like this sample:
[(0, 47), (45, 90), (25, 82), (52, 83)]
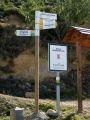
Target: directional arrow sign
[(25, 33), (45, 15), (46, 24)]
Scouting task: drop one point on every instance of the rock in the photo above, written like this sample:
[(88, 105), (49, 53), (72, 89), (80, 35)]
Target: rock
[(51, 112), (29, 94), (28, 85), (39, 116)]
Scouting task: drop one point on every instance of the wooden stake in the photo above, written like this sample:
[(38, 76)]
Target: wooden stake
[(79, 81), (36, 74)]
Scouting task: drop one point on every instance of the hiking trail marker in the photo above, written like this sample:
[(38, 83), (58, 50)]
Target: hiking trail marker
[(43, 20)]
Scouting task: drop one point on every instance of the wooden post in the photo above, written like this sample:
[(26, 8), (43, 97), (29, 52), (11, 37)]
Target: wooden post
[(79, 81), (36, 74)]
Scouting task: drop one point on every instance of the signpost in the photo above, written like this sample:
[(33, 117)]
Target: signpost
[(57, 61), (42, 21)]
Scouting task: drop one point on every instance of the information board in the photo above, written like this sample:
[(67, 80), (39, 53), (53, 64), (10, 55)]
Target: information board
[(57, 57)]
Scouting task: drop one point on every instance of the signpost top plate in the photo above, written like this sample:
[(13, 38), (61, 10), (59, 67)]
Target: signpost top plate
[(45, 15)]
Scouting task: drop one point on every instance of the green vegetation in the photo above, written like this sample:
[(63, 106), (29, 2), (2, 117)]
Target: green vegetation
[(78, 117), (25, 8), (45, 106), (8, 6), (73, 12), (5, 118), (69, 13)]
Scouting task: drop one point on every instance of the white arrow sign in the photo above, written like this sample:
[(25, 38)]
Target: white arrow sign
[(45, 23), (25, 32), (48, 24), (45, 15)]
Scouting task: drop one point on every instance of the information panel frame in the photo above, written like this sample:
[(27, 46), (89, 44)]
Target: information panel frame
[(57, 57)]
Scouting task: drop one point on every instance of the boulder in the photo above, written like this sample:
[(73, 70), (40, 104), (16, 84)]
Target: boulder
[(29, 94), (51, 112), (39, 116)]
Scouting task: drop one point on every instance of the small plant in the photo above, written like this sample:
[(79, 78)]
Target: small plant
[(78, 117), (44, 107), (5, 118)]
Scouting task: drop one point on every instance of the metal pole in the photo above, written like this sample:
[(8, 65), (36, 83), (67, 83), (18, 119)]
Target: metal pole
[(79, 80), (37, 73), (57, 93)]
